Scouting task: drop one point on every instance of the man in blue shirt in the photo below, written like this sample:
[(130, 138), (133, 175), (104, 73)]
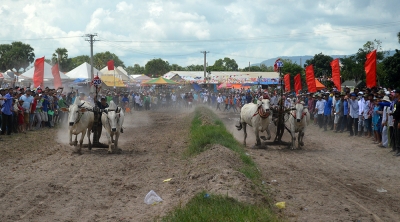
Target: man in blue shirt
[(6, 114), (327, 112)]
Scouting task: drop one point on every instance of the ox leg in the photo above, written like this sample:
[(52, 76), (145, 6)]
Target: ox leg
[(268, 133), (76, 140), (116, 141), (245, 133), (88, 135), (70, 139), (301, 136), (81, 142), (109, 142), (258, 143)]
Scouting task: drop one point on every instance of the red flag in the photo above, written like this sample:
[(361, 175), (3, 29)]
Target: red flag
[(336, 74), (297, 83), (56, 74), (370, 69), (312, 88), (38, 74), (286, 78), (110, 65)]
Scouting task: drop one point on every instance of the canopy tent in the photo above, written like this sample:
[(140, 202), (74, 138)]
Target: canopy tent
[(47, 73), (160, 81), (111, 81), (117, 71), (319, 85), (83, 71), (141, 78)]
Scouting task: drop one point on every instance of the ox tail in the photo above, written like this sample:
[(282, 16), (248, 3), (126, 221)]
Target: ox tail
[(239, 126)]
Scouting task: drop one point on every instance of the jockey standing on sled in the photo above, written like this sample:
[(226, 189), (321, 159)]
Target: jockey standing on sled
[(102, 104)]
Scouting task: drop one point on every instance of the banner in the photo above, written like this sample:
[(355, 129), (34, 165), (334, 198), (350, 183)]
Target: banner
[(336, 74), (297, 83), (38, 74), (110, 65), (286, 79), (56, 74), (312, 88), (370, 69)]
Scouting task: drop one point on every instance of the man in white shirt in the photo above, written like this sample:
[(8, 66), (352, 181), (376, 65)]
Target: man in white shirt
[(319, 108), (219, 101), (361, 103)]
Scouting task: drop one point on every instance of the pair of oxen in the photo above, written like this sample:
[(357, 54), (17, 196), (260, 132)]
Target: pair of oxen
[(81, 119), (259, 116)]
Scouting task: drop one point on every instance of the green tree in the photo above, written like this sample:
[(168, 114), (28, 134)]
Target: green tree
[(321, 64), (353, 66), (195, 68), (225, 64), (293, 69), (156, 67), (135, 69), (391, 67), (77, 61), (176, 67), (60, 56), (100, 60), (5, 57), (16, 56)]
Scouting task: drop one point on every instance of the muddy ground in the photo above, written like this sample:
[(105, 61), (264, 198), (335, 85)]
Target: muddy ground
[(333, 178)]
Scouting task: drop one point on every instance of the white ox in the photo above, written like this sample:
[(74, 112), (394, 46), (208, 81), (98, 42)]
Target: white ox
[(298, 120), (80, 120), (112, 120), (258, 116)]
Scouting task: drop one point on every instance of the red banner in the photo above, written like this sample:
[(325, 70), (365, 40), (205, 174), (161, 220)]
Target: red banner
[(312, 88), (38, 74), (56, 74), (336, 74), (110, 65), (297, 83), (286, 79), (370, 69)]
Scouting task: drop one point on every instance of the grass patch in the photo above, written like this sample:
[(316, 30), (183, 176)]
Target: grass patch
[(219, 208), (208, 129)]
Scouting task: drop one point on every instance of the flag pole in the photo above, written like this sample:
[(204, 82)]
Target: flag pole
[(114, 77)]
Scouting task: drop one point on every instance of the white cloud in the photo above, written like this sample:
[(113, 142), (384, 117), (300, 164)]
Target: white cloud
[(266, 29)]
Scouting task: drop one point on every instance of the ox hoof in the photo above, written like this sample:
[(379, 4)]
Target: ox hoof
[(110, 152), (301, 144), (264, 138)]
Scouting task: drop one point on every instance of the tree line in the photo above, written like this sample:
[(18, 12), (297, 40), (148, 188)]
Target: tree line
[(18, 56)]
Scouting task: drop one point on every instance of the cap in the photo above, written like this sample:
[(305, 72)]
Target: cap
[(397, 90), (353, 94), (360, 93), (386, 98)]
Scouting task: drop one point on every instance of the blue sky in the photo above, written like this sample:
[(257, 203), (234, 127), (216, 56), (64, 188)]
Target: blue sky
[(176, 31)]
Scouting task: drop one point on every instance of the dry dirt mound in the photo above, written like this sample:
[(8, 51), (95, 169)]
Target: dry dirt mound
[(216, 171)]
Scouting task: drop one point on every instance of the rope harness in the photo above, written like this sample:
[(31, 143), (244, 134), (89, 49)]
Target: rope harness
[(260, 111)]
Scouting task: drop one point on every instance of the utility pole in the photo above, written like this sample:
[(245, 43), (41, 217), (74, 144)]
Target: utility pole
[(91, 40), (205, 68)]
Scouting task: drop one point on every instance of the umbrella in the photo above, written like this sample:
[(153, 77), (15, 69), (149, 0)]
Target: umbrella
[(160, 81), (225, 85)]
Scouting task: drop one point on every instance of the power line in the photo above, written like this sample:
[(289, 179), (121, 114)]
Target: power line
[(43, 38)]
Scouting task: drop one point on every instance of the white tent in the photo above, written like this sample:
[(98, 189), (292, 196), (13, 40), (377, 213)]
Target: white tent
[(47, 73), (82, 72), (48, 79), (118, 73)]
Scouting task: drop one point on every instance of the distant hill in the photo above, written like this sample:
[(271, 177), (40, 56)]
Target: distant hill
[(302, 59)]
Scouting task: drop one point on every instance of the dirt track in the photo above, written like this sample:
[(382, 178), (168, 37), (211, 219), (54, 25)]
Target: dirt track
[(333, 178)]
